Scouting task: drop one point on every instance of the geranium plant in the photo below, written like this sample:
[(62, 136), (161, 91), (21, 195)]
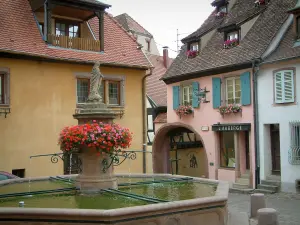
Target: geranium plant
[(231, 43), (184, 110), (232, 108), (261, 2), (103, 137), (220, 14), (191, 53)]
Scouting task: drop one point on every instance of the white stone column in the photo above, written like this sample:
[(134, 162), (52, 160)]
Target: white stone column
[(237, 153)]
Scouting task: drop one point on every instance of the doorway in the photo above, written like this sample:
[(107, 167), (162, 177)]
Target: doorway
[(275, 148)]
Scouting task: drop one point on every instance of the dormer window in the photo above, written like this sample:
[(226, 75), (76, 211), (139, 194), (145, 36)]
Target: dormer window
[(193, 50), (67, 28), (194, 46), (231, 39), (223, 9)]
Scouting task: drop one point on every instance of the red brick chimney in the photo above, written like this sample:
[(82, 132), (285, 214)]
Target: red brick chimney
[(166, 56)]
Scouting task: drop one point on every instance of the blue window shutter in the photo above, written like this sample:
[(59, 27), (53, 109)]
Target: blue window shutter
[(195, 98), (216, 82), (246, 88), (175, 97)]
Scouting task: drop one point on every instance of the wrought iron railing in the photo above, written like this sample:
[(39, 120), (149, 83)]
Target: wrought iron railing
[(294, 150), (74, 42)]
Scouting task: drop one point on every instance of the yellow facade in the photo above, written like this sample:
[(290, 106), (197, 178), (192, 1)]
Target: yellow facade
[(42, 102)]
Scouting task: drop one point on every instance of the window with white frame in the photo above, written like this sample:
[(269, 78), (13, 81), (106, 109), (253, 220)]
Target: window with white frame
[(113, 91), (223, 9), (4, 88), (232, 35), (294, 151), (194, 46), (187, 95), (233, 90), (284, 86)]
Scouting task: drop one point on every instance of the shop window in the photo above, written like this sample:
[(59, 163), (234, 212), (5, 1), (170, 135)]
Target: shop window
[(227, 152), (284, 86), (233, 90), (187, 95)]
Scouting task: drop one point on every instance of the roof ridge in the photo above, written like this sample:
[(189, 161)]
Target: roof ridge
[(127, 15)]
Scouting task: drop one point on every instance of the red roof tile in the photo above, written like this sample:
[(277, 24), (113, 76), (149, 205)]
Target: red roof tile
[(157, 89), (161, 118), (20, 34)]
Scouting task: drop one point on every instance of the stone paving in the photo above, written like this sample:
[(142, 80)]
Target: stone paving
[(288, 206)]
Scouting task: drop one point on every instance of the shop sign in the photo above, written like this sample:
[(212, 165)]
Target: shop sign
[(231, 127)]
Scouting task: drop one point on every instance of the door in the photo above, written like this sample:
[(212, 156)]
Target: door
[(275, 148)]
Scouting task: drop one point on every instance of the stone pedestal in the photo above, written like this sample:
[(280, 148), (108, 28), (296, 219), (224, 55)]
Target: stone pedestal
[(267, 216), (257, 201), (93, 178)]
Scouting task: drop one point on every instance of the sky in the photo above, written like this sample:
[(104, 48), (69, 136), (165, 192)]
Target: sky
[(162, 18)]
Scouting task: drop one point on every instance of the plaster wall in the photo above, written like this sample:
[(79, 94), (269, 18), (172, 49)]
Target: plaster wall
[(153, 48), (206, 115), (43, 101), (247, 26), (282, 114)]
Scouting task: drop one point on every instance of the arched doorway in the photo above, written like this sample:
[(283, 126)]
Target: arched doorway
[(177, 148)]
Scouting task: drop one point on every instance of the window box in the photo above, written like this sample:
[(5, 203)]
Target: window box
[(231, 43), (184, 110), (232, 108), (220, 14), (192, 53), (261, 2)]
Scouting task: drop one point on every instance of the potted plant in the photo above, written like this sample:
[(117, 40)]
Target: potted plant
[(191, 53), (98, 146), (184, 110), (232, 108), (220, 14), (230, 43)]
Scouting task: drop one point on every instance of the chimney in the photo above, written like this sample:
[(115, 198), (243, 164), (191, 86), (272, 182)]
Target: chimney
[(166, 56)]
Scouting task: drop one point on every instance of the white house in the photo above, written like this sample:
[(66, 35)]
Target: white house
[(278, 91)]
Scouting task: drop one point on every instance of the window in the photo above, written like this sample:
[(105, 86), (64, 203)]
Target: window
[(150, 129), (232, 35), (41, 25), (4, 88), (298, 26), (233, 90), (187, 95), (83, 87), (19, 172), (194, 46), (114, 92), (294, 151), (67, 28), (223, 9), (227, 152), (148, 45), (284, 86)]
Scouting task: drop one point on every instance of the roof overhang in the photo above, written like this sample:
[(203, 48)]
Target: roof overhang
[(208, 72), (227, 28)]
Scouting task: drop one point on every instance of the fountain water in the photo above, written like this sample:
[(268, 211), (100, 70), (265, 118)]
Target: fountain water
[(98, 196)]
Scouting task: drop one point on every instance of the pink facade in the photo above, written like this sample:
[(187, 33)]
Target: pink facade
[(206, 116)]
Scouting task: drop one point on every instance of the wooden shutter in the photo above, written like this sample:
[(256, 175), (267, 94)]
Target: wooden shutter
[(176, 90), (288, 85), (216, 83), (284, 86), (245, 88), (195, 93)]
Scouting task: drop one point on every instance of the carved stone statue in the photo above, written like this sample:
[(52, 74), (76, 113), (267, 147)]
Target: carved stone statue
[(95, 84)]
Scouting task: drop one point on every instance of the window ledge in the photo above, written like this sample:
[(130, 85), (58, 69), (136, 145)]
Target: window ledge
[(284, 104), (4, 106)]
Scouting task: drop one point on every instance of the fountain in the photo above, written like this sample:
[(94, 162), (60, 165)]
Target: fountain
[(99, 196)]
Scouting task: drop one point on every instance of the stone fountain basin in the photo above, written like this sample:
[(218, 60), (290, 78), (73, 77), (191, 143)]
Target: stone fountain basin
[(208, 210)]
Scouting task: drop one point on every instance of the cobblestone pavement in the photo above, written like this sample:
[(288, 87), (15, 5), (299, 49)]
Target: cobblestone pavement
[(288, 206)]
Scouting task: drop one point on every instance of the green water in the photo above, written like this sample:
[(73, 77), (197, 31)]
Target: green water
[(73, 201), (33, 186), (170, 191), (173, 191)]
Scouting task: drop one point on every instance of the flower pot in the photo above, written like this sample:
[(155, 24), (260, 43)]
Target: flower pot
[(93, 176)]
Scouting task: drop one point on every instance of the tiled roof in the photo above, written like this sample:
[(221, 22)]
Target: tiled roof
[(130, 24), (17, 19), (286, 49), (253, 45), (161, 118), (155, 88)]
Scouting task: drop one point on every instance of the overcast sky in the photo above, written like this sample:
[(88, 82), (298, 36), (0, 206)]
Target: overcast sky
[(163, 17)]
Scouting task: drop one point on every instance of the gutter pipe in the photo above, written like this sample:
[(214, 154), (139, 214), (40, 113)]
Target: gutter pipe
[(144, 118), (255, 70)]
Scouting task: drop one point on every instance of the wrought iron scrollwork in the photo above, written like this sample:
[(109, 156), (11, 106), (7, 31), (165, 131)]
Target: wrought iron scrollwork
[(55, 158), (115, 159)]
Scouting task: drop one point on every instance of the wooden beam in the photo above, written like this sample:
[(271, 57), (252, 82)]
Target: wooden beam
[(100, 15), (48, 19)]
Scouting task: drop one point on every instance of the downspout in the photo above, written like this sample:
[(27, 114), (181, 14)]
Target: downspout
[(145, 119), (255, 70)]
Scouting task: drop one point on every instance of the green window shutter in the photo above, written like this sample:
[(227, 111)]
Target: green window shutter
[(278, 87), (195, 98), (288, 86), (216, 82), (176, 90), (245, 88)]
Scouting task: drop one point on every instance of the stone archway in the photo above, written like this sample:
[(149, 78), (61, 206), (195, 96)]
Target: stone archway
[(161, 148)]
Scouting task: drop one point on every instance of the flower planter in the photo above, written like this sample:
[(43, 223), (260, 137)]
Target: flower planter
[(230, 109), (230, 43), (191, 54), (184, 110), (94, 176)]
